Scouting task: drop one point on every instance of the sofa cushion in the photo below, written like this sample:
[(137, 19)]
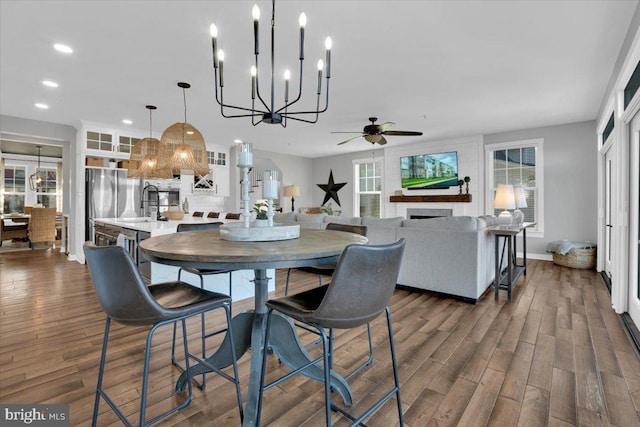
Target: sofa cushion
[(284, 217), (458, 223), (370, 221), (310, 218), (348, 220)]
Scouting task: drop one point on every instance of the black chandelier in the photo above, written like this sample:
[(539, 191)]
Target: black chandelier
[(269, 114)]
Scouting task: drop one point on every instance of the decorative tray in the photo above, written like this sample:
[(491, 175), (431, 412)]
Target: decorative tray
[(237, 232)]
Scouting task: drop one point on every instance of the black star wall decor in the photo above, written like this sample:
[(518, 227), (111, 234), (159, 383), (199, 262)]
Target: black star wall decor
[(331, 189)]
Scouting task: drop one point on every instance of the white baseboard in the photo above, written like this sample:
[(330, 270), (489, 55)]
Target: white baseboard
[(541, 257)]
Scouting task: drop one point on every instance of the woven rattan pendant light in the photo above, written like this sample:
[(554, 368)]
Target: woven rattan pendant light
[(186, 149), (145, 160)]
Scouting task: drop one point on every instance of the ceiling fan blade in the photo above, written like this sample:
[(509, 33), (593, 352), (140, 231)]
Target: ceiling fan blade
[(348, 132), (382, 140), (386, 125), (402, 133), (350, 139)]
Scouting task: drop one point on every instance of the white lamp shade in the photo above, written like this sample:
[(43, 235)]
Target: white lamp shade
[(292, 191), (521, 198), (505, 198)]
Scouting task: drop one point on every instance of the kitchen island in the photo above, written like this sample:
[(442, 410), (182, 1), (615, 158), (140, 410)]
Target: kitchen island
[(132, 231)]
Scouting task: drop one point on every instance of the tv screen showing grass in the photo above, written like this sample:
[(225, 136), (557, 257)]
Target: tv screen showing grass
[(429, 171)]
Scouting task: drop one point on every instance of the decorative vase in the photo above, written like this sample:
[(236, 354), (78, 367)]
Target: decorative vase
[(261, 222)]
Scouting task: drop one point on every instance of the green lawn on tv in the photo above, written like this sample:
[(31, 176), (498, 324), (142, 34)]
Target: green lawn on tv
[(423, 182)]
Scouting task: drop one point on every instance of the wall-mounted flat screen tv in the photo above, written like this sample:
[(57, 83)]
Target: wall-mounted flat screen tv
[(429, 171)]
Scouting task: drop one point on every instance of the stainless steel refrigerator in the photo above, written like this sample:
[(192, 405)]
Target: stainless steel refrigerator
[(110, 194)]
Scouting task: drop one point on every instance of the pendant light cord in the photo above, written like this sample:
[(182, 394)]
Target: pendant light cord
[(184, 99)]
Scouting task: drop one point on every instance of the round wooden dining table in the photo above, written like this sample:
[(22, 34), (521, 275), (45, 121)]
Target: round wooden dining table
[(205, 249)]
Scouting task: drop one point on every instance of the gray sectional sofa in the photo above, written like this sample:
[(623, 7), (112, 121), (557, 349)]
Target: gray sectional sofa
[(449, 255)]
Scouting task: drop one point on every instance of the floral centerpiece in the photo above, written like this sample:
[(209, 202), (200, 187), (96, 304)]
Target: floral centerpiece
[(260, 208)]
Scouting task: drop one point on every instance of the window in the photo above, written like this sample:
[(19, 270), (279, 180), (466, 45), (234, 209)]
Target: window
[(519, 164), (632, 86), (608, 129), (14, 189), (368, 188), (47, 194)]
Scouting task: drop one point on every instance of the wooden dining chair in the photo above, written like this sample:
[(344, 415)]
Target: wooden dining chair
[(197, 214), (42, 226), (232, 216), (213, 215)]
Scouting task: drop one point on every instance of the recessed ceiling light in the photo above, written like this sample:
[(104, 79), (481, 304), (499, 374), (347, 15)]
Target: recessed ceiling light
[(237, 141), (126, 121), (49, 83), (62, 48), (41, 105)]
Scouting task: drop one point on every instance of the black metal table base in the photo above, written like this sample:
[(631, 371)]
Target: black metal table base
[(249, 333)]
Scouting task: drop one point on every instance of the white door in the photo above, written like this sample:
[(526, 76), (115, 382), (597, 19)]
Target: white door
[(609, 191), (634, 226)]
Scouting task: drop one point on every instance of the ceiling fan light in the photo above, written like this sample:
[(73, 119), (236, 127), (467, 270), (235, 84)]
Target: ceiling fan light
[(373, 138)]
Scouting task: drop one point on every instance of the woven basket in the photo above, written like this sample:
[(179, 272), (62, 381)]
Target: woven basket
[(577, 258)]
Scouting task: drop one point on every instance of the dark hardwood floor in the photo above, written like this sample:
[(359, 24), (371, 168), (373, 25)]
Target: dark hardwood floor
[(557, 355)]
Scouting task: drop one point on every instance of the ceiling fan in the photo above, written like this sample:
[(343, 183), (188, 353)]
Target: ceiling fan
[(375, 133)]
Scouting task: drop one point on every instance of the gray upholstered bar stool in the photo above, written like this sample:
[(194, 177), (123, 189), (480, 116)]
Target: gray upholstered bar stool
[(201, 273), (362, 270), (125, 299), (327, 270)]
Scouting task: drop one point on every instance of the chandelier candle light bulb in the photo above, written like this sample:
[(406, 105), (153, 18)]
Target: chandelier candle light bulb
[(287, 76), (255, 12), (320, 67), (268, 112), (214, 38), (220, 64), (254, 72), (327, 44)]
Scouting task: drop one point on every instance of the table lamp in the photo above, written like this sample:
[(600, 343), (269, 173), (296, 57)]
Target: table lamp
[(521, 202), (292, 191), (504, 199)]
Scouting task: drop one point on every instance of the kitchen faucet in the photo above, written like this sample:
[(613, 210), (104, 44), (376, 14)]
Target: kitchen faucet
[(146, 202)]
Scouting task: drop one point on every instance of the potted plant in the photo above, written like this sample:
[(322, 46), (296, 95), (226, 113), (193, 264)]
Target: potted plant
[(328, 209), (260, 208)]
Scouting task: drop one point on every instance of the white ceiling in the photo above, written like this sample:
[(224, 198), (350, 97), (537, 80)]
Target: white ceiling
[(446, 68)]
